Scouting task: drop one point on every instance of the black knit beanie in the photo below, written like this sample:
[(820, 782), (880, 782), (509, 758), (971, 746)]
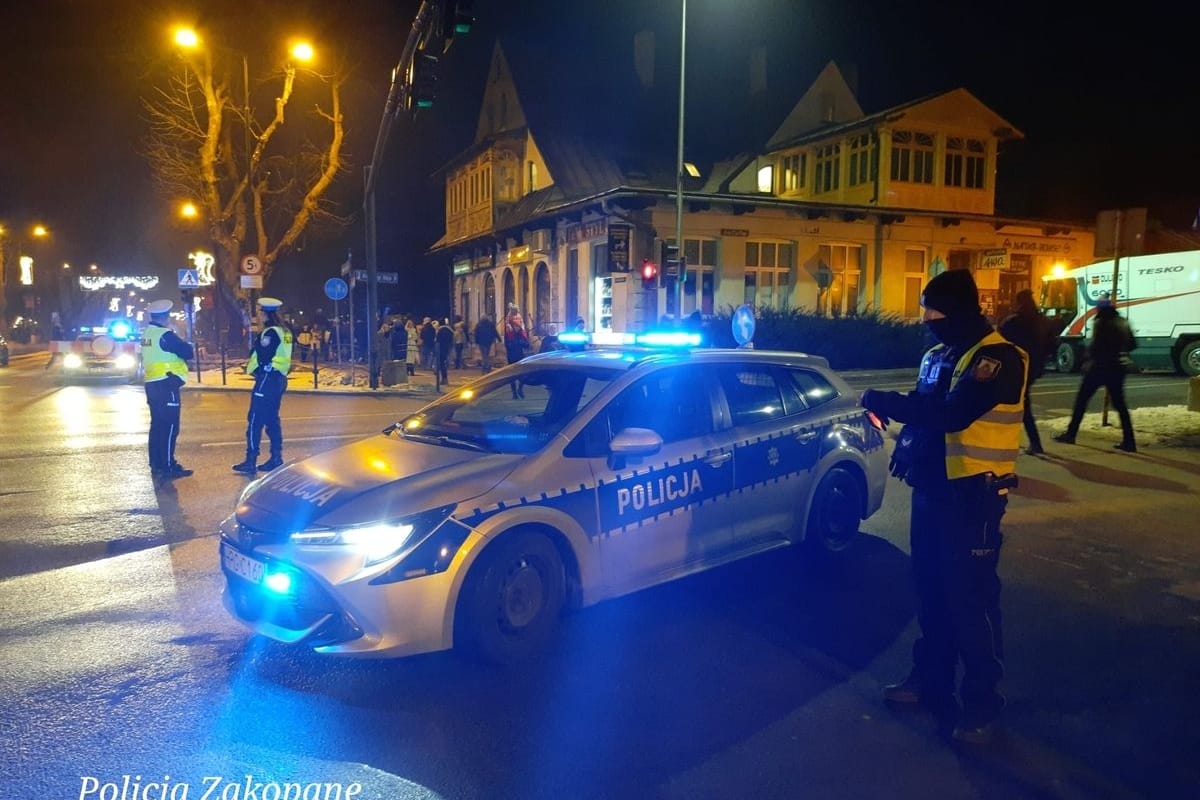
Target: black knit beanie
[(953, 293)]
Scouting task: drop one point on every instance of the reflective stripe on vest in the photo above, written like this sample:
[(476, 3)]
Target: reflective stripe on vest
[(282, 360), (992, 442), (157, 362)]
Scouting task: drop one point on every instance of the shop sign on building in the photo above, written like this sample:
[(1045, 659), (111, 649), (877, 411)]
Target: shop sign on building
[(618, 247), (462, 266), (994, 259)]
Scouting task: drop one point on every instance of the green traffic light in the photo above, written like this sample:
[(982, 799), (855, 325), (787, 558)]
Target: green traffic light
[(422, 103), (462, 27)]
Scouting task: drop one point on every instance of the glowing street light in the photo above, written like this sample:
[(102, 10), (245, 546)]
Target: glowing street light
[(40, 231), (186, 37), (303, 51), (189, 211)]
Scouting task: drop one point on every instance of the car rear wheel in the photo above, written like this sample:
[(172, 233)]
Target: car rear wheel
[(1189, 359), (835, 512), (512, 600)]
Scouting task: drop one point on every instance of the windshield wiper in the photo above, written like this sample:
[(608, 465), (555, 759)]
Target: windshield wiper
[(445, 440)]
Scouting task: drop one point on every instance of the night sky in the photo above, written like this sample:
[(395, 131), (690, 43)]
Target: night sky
[(1104, 103)]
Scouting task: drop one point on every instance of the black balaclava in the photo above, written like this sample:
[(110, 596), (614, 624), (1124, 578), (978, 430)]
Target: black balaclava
[(954, 294)]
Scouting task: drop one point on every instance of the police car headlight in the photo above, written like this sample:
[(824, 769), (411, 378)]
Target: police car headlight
[(72, 361), (377, 541), (125, 361)]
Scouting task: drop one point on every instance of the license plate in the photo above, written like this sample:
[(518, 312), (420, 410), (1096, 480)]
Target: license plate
[(241, 565)]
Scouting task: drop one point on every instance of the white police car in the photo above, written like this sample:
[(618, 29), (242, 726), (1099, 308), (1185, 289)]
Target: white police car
[(563, 480)]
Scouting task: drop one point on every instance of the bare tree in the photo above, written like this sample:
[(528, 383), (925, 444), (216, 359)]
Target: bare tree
[(260, 177)]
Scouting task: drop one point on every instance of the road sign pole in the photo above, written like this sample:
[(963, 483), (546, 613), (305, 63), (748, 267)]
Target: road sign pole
[(337, 334)]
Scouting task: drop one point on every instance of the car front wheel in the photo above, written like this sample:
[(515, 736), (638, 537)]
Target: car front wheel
[(835, 512), (512, 600)]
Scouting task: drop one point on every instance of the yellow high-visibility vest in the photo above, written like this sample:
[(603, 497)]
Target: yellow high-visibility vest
[(157, 362), (282, 360), (992, 442)]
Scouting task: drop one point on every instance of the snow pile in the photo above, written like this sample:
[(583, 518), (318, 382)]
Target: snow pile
[(1162, 426)]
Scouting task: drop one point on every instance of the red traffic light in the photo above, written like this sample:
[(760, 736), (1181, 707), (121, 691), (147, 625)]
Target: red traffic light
[(649, 270)]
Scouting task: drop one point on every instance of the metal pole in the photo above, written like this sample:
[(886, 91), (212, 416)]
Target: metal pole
[(337, 334), (680, 273), (424, 14), (351, 297), (1112, 296)]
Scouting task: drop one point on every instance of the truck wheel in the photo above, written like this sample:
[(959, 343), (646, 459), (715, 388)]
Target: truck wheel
[(510, 606), (1189, 358), (1067, 358)]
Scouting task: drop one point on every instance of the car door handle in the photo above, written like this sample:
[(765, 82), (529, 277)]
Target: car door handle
[(806, 437), (717, 459)]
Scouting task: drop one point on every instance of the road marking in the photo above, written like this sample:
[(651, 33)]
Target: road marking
[(290, 439)]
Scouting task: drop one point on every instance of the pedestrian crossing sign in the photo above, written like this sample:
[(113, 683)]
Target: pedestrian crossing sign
[(189, 279)]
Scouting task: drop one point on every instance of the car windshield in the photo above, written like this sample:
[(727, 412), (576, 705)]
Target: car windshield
[(517, 411)]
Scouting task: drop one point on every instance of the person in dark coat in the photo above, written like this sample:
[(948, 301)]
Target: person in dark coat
[(1112, 341), (164, 360), (485, 337), (958, 452), (444, 348), (428, 339), (516, 345), (1029, 330)]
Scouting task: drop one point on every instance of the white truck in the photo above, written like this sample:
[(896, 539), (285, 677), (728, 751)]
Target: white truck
[(1158, 294)]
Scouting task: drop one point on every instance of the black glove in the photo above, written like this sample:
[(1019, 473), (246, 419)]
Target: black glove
[(903, 455)]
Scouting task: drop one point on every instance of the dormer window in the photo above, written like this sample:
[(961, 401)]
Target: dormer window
[(964, 162), (912, 157), (794, 167), (766, 178)]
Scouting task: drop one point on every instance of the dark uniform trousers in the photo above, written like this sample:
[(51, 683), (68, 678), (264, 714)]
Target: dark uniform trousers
[(163, 398), (1111, 378), (269, 386), (955, 551)]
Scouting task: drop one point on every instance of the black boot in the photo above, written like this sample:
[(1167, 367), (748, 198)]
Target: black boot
[(246, 466), (274, 462)]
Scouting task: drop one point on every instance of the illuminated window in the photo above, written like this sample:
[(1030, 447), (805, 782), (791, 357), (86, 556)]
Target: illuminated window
[(533, 176), (964, 162), (766, 178), (768, 281), (793, 172), (845, 262), (912, 157), (914, 281)]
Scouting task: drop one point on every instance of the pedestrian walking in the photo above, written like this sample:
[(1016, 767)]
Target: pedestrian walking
[(269, 363), (460, 341), (1028, 328), (412, 346), (428, 339), (1106, 364), (486, 337), (958, 452), (444, 347), (516, 345), (164, 361)]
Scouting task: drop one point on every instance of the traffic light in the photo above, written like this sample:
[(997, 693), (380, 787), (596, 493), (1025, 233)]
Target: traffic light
[(670, 259), (649, 274), (457, 19), (422, 81)]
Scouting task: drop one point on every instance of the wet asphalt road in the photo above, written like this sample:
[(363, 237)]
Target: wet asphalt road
[(757, 680)]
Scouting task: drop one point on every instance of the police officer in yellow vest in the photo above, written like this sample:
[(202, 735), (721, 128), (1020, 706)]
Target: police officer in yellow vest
[(164, 361), (958, 451), (270, 361)]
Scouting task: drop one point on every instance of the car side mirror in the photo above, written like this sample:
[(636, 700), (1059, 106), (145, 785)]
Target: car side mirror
[(632, 442)]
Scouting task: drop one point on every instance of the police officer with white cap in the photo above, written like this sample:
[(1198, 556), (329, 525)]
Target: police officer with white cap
[(164, 361), (270, 361)]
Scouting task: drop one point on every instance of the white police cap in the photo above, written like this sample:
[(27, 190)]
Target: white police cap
[(160, 306), (269, 303)]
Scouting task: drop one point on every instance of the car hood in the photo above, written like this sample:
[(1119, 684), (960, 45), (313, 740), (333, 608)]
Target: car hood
[(371, 479)]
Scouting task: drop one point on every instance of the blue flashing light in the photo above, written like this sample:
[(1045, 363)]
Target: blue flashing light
[(574, 338), (669, 339), (119, 329), (278, 582)]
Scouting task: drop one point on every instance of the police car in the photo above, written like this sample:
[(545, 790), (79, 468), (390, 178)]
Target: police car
[(111, 351), (566, 479)]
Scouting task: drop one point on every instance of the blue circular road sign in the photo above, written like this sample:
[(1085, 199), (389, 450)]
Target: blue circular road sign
[(336, 289), (743, 324)]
